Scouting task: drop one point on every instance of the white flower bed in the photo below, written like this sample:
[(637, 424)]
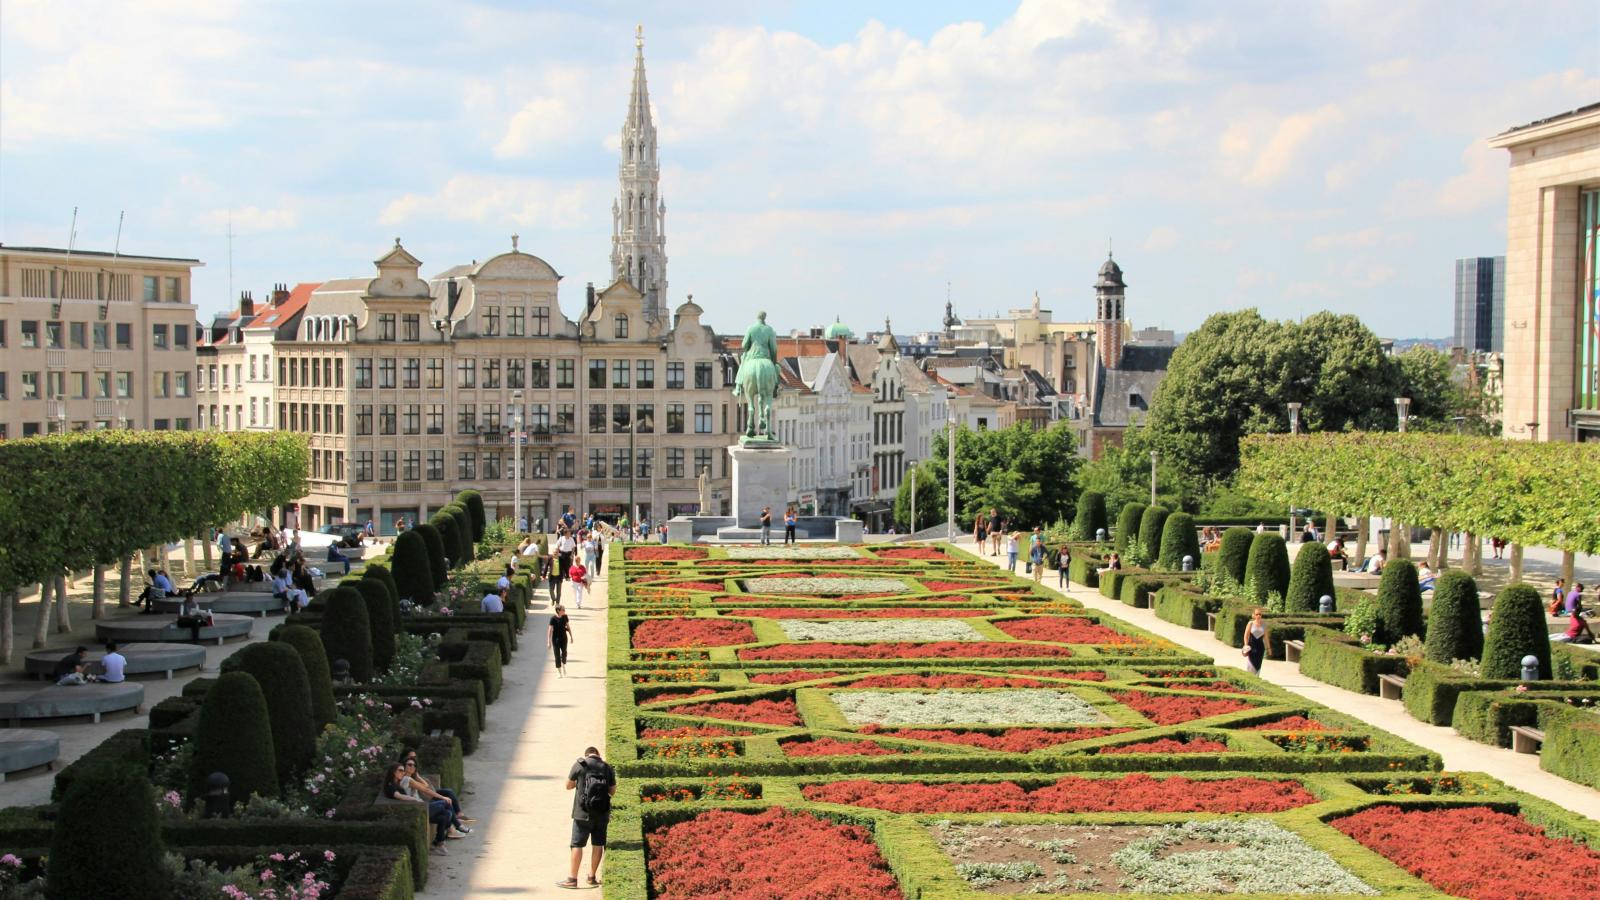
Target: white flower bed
[(842, 584), (1265, 859), (880, 630), (792, 552), (1022, 706)]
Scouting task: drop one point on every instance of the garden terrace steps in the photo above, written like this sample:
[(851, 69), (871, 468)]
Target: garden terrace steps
[(143, 659)]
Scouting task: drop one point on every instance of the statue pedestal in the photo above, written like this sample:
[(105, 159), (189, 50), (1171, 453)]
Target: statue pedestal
[(760, 478)]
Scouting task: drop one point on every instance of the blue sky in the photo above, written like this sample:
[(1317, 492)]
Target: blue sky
[(819, 159)]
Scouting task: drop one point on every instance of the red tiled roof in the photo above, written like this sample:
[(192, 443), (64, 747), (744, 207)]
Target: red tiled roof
[(296, 301)]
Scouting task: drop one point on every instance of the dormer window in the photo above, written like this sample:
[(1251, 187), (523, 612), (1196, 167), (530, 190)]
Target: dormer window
[(620, 326)]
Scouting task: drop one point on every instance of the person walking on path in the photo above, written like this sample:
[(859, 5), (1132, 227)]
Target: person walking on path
[(565, 547), (1035, 539), (1011, 553), (1036, 561), (557, 636), (580, 580), (1255, 643), (766, 526), (789, 521), (994, 531), (595, 782), (980, 530), (1063, 568)]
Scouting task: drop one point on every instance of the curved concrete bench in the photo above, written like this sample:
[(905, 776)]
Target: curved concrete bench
[(27, 748), (171, 605), (56, 701), (142, 659), (248, 603), (160, 629)]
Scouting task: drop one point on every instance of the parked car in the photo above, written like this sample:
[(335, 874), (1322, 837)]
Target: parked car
[(347, 534)]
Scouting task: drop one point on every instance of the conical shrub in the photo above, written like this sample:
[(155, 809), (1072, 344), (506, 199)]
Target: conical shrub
[(308, 644), (413, 568), (1233, 557), (1310, 579), (1267, 570), (379, 619), (234, 736), (1455, 622), (476, 518), (381, 573), (464, 544), (1150, 524), (1091, 516), (1516, 629), (276, 666), (107, 838), (347, 632), (1127, 526), (436, 554), (1178, 539), (1399, 603)]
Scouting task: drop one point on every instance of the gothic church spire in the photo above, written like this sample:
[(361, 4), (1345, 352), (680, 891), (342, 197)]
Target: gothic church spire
[(638, 233)]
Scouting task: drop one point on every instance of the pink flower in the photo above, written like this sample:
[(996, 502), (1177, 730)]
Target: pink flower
[(328, 814), (1522, 689), (327, 855), (352, 743), (266, 874), (10, 860)]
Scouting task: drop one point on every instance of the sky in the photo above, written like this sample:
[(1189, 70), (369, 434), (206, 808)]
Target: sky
[(818, 159)]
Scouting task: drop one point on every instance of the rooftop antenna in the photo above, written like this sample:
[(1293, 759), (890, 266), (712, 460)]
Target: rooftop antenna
[(116, 249), (1109, 254), (72, 235)]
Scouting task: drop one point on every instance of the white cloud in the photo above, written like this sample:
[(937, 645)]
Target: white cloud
[(1262, 153), (500, 200), (1160, 238), (247, 220)]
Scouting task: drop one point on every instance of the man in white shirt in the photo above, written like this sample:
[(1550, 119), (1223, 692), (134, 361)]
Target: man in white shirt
[(504, 583), (113, 664), (494, 603)]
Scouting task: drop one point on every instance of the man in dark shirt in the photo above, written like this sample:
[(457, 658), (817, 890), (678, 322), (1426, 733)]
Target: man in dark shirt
[(589, 777), (68, 664)]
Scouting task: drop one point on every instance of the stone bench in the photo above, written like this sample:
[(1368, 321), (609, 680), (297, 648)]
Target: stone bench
[(173, 605), (1391, 687), (1525, 739), (58, 701), (27, 748), (246, 603), (1292, 650), (161, 629), (1211, 621), (142, 659)]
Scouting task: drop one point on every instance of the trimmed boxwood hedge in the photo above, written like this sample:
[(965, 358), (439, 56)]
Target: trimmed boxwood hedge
[(1310, 578), (277, 668), (1233, 557), (1433, 689), (450, 533), (380, 572), (1399, 603), (347, 633), (129, 747), (313, 656), (413, 570), (1151, 523), (1340, 660), (107, 841), (1181, 603), (1571, 743), (436, 554), (1267, 569), (1516, 629), (475, 514), (1091, 516), (1127, 525), (1178, 540), (380, 620), (234, 736), (1455, 621)]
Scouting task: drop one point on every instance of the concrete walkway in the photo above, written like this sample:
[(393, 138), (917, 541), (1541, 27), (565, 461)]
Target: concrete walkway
[(517, 779), (1520, 770)]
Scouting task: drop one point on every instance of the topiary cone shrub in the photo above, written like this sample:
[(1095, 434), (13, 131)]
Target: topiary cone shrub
[(436, 554), (1267, 569), (380, 621), (234, 736), (380, 573), (449, 536), (347, 632), (1233, 557), (1310, 579), (308, 644), (1399, 603), (1516, 629), (413, 570), (473, 501), (1150, 524), (1091, 516), (107, 838), (1127, 526), (1178, 539), (1455, 622), (458, 514), (277, 668)]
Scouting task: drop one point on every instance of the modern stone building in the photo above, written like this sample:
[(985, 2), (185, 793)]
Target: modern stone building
[(1552, 278), (92, 340), (1480, 304)]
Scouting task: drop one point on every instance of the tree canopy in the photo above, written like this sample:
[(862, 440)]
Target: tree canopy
[(1024, 472)]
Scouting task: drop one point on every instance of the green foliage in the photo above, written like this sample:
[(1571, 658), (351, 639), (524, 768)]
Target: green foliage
[(234, 736), (1362, 621), (476, 518), (1234, 556), (450, 536), (1151, 522), (1091, 516), (1399, 603), (436, 553), (1226, 501), (929, 478), (413, 570), (107, 839), (464, 548), (1178, 539), (381, 573), (347, 632), (1343, 661), (313, 658), (1122, 473), (1310, 579), (1516, 629), (1571, 744), (277, 668), (1127, 525), (380, 619), (1024, 472), (1267, 569), (1455, 622)]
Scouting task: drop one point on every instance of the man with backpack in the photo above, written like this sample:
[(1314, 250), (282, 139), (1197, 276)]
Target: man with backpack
[(595, 782)]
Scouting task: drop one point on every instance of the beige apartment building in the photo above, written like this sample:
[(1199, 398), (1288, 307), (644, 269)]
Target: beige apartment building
[(92, 340), (1552, 281)]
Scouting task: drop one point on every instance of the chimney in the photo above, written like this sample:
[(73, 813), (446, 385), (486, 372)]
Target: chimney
[(247, 305), (589, 305), (280, 293)]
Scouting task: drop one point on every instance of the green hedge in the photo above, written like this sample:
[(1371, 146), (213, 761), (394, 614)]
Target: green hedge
[(1399, 603), (1310, 579), (381, 625), (1267, 569), (313, 656), (1571, 743), (1150, 526), (1433, 689), (1183, 604), (1337, 659), (1516, 629), (1091, 517), (1138, 590), (347, 634), (437, 552), (1127, 525), (413, 569), (1178, 540), (128, 747), (1233, 557), (234, 736), (107, 841), (475, 513), (277, 668)]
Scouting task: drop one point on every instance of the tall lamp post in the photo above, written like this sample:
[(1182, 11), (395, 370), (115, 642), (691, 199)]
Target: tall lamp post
[(911, 466), (950, 472), (1153, 456), (1294, 428), (1400, 545), (633, 469), (517, 438)]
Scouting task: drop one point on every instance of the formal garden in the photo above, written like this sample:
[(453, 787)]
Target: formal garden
[(908, 721)]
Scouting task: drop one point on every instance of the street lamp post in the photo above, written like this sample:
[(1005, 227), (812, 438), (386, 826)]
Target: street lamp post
[(912, 466), (950, 472), (1153, 456), (1294, 428), (516, 457), (1399, 544), (633, 469)]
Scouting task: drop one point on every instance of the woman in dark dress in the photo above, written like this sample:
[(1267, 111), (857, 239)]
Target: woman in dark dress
[(1255, 643), (557, 636)]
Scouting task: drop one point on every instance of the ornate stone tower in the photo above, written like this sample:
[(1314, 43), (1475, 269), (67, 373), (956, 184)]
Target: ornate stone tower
[(639, 217), (1109, 289)]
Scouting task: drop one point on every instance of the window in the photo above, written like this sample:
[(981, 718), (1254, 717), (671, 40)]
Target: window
[(646, 377), (675, 375), (467, 466), (674, 462), (491, 465), (566, 416), (30, 385), (597, 462), (363, 463), (78, 335), (566, 372), (283, 415), (621, 462), (413, 421), (491, 321), (413, 469), (539, 464), (645, 462), (541, 321), (363, 418), (102, 336), (597, 374), (620, 417), (566, 464), (597, 418), (411, 330), (435, 465), (152, 288), (620, 371), (387, 464), (338, 371), (252, 367), (2, 332), (158, 335), (436, 374), (436, 418), (702, 461), (702, 376), (159, 384), (702, 418), (386, 422), (619, 327), (386, 373), (181, 424), (363, 374), (515, 370), (645, 415), (30, 334), (516, 322), (124, 335), (285, 371), (180, 388), (674, 418), (180, 338), (386, 333), (174, 290), (102, 385), (466, 373), (160, 424), (316, 415), (80, 385), (338, 420), (224, 376), (491, 373), (411, 373), (491, 417), (124, 385), (540, 421), (467, 419), (540, 371)]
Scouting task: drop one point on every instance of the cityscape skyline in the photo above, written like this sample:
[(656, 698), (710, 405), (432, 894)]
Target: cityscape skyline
[(833, 167)]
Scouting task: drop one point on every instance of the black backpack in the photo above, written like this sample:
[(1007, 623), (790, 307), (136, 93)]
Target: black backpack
[(595, 799)]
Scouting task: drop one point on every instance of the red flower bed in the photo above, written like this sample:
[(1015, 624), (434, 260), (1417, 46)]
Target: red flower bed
[(694, 631), (764, 712), (910, 553), (1072, 794), (1170, 709), (1171, 745), (1225, 687), (800, 612), (1075, 675), (1477, 852), (1290, 723), (1012, 740), (1064, 630), (790, 676), (944, 681), (773, 853), (827, 746), (663, 554), (696, 586), (664, 696), (903, 650), (690, 731), (934, 585)]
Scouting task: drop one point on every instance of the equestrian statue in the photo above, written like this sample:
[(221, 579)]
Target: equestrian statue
[(757, 381)]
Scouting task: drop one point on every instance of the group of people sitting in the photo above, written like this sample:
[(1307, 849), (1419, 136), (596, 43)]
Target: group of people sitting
[(74, 667), (407, 785)]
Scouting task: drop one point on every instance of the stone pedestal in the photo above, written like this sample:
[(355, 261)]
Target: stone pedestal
[(760, 478)]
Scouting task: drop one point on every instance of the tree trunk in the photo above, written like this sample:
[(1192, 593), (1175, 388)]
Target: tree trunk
[(1516, 563), (1567, 559), (1330, 528), (125, 569), (8, 625), (205, 548), (99, 592), (1439, 549), (63, 608), (188, 557), (41, 625), (1363, 525)]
